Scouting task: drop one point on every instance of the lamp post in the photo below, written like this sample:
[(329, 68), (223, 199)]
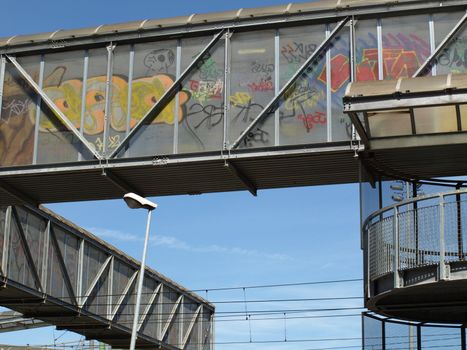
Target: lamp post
[(137, 202)]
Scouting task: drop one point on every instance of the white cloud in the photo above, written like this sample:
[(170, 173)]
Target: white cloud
[(175, 243)]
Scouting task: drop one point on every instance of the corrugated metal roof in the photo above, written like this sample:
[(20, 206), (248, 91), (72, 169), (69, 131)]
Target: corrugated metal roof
[(242, 14)]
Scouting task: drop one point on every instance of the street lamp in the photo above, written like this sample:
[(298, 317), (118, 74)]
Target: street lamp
[(137, 202)]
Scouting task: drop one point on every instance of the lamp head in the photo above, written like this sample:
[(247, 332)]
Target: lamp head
[(135, 201)]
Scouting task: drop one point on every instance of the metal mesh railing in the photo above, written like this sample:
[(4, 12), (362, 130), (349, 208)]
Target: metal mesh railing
[(418, 232)]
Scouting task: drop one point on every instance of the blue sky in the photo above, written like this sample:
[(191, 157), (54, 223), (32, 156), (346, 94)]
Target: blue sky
[(225, 239)]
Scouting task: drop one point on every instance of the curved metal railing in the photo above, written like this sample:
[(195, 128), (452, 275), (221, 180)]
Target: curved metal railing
[(421, 231)]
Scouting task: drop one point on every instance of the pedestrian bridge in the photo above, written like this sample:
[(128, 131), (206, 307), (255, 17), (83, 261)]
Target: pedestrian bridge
[(54, 271), (245, 99)]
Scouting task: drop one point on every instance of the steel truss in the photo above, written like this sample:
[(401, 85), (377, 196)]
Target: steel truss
[(54, 271)]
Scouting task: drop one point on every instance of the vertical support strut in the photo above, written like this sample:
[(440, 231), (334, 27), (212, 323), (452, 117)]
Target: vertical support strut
[(442, 248), (395, 263)]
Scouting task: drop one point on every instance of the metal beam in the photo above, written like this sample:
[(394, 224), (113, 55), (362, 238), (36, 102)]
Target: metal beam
[(58, 113), (123, 295), (145, 313), (120, 183), (27, 250), (242, 177), (447, 39), (95, 280), (171, 316), (17, 194), (274, 103), (168, 95), (360, 129), (61, 262), (190, 327)]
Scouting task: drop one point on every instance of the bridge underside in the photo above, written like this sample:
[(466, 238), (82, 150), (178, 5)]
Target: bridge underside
[(167, 176)]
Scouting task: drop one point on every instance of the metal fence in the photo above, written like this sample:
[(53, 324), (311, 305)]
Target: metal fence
[(421, 231)]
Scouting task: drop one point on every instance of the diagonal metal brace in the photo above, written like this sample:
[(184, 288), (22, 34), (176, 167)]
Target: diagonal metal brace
[(242, 177), (447, 39), (58, 113), (190, 327), (171, 316), (274, 103), (168, 95), (96, 279)]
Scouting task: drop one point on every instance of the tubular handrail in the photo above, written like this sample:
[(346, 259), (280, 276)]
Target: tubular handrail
[(410, 201)]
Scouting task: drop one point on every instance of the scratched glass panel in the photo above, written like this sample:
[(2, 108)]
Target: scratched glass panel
[(125, 312), (98, 301), (201, 103), (93, 261), (206, 335), (406, 45), (56, 285), (18, 267), (34, 228), (94, 109), (148, 307), (302, 115), (63, 84), (31, 64), (453, 58), (2, 234), (121, 276), (441, 338), (340, 76), (366, 51), (169, 297), (17, 120), (400, 336), (251, 87), (153, 74), (69, 248), (119, 118), (373, 334), (194, 339)]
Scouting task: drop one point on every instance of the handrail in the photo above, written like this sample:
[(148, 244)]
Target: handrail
[(410, 201)]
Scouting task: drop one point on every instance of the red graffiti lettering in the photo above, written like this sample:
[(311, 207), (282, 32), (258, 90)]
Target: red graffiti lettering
[(311, 119), (264, 85)]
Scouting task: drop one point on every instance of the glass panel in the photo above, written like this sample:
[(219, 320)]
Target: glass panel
[(63, 84), (93, 260), (435, 119), (453, 58), (98, 300), (463, 112), (373, 334), (406, 45), (303, 114), (251, 86), (206, 331), (34, 228), (56, 285), (69, 248), (366, 50), (340, 77), (202, 117), (121, 276), (391, 123), (18, 267), (153, 74), (17, 120), (400, 337), (2, 233), (125, 314), (149, 327), (119, 123), (441, 337)]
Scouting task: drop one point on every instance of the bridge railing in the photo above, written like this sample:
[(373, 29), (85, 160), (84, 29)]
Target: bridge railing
[(50, 269), (417, 232)]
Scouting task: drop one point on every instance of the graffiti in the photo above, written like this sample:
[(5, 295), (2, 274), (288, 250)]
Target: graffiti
[(113, 142), (297, 52), (240, 99), (207, 68), (14, 108), (211, 115), (340, 72), (306, 94), (159, 60), (258, 67), (203, 90), (455, 57), (311, 119), (263, 85), (256, 136)]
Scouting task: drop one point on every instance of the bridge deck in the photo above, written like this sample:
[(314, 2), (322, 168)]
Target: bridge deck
[(245, 100)]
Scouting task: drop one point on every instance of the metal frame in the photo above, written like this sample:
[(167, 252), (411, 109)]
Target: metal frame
[(167, 96), (75, 307), (273, 104)]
